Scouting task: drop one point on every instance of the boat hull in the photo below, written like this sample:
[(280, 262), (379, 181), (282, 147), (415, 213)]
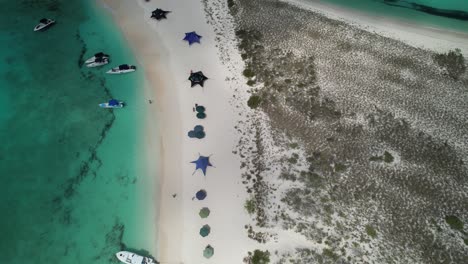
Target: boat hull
[(118, 70), (92, 59), (96, 64), (106, 105), (42, 26), (132, 258)]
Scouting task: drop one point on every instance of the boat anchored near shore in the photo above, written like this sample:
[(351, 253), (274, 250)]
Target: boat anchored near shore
[(97, 56), (113, 103), (132, 258), (99, 59), (124, 68), (44, 23)]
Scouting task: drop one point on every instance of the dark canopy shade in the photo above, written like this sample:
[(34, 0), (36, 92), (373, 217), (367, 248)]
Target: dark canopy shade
[(201, 115), (197, 132), (205, 230), (208, 252), (201, 195), (202, 163), (113, 102), (43, 20), (197, 78), (200, 108), (124, 67), (159, 14), (192, 37), (204, 212)]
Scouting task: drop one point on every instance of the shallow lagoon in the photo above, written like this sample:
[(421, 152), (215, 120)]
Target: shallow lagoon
[(72, 175)]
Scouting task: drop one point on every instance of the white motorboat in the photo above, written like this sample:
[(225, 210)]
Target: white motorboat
[(44, 23), (112, 104), (96, 56), (124, 68), (99, 61), (132, 258)]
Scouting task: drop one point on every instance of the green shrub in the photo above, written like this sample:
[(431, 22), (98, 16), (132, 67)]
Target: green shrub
[(453, 62), (454, 222), (250, 82), (250, 206), (371, 231), (261, 257), (387, 157), (340, 167), (248, 73), (254, 101), (329, 253)]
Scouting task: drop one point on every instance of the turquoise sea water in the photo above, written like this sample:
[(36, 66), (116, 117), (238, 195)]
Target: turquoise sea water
[(407, 11), (74, 185)]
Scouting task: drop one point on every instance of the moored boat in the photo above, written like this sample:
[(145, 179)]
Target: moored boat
[(97, 56), (112, 104), (132, 258), (44, 23), (124, 68), (99, 61)]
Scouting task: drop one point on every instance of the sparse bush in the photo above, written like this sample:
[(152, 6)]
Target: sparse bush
[(254, 101), (250, 82), (327, 252), (260, 257), (340, 167), (250, 206), (453, 62), (293, 145), (371, 231), (454, 222), (387, 157), (248, 73)]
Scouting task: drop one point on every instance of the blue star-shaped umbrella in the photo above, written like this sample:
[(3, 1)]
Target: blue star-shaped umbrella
[(202, 163), (192, 37)]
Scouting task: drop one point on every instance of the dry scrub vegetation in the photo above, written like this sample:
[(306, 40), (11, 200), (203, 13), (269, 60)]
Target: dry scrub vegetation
[(357, 142)]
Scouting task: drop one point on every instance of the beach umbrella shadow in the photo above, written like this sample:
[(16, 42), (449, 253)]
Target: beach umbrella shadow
[(205, 230), (204, 212), (201, 195), (208, 252)]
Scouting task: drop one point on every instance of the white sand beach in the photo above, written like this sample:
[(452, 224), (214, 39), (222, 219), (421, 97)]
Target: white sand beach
[(167, 61)]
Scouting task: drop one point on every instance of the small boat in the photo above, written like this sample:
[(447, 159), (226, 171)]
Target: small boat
[(112, 104), (132, 258), (44, 23), (99, 61), (124, 68), (97, 56)]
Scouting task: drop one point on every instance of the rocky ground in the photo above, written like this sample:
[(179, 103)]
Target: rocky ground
[(357, 143)]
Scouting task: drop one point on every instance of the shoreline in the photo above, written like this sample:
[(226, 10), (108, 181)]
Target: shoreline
[(149, 58), (409, 32)]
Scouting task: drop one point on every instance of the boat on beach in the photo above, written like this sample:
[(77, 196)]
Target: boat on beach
[(112, 104), (132, 258), (99, 61), (44, 23), (99, 55), (124, 68)]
